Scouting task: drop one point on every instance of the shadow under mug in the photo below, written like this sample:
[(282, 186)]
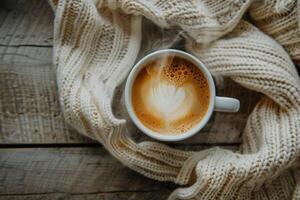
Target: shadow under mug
[(223, 104)]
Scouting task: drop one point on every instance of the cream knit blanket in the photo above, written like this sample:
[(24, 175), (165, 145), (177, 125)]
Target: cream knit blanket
[(96, 42)]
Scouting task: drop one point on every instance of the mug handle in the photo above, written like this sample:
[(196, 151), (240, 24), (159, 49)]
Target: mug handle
[(226, 104)]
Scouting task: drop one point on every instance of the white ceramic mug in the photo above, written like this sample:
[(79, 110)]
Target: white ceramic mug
[(224, 104)]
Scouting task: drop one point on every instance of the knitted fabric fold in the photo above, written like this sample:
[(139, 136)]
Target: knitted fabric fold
[(97, 42), (281, 20)]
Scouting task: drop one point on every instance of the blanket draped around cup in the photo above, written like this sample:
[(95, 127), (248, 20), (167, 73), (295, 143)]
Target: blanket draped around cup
[(96, 43)]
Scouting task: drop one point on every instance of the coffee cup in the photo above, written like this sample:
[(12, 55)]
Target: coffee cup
[(175, 104)]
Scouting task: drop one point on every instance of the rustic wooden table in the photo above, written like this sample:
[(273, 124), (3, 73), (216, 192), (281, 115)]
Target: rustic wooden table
[(41, 157)]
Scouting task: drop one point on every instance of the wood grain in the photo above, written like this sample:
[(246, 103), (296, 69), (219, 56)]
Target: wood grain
[(29, 103), (73, 173), (69, 171), (26, 22)]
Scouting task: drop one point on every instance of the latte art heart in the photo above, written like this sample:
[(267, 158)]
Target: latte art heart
[(170, 96), (166, 98), (169, 101)]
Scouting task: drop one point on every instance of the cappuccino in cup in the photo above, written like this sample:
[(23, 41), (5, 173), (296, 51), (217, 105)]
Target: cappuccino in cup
[(170, 95)]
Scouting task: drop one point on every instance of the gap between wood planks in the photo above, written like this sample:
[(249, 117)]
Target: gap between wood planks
[(134, 194), (26, 45), (128, 195)]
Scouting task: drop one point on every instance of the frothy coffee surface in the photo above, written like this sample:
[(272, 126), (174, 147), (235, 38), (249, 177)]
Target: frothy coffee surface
[(170, 95)]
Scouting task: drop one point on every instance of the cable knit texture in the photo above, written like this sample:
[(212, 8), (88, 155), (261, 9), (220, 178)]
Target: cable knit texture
[(97, 42), (280, 19)]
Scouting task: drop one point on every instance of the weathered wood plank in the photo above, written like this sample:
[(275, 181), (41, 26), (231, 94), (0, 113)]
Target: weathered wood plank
[(70, 171), (26, 22), (73, 173), (29, 107)]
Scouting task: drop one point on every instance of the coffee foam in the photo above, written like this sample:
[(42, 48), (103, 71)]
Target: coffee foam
[(170, 96)]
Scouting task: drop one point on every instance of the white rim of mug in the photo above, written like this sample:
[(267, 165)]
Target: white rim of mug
[(128, 95)]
